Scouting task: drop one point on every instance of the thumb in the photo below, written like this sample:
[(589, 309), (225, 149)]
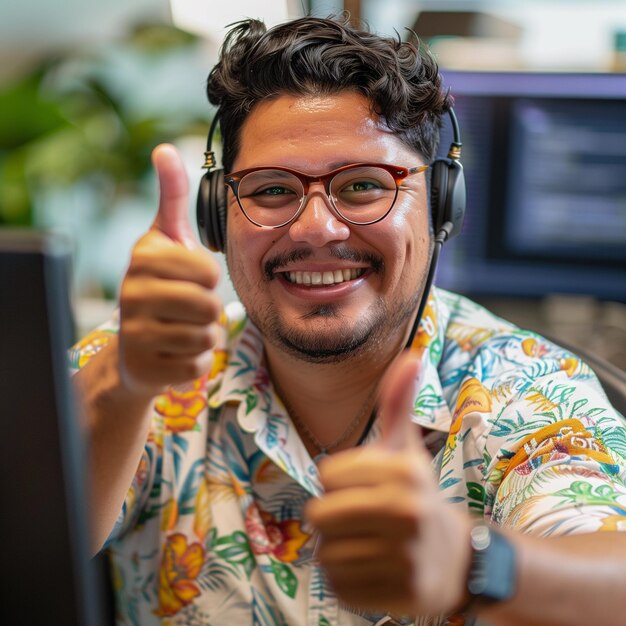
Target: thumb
[(172, 218), (397, 396)]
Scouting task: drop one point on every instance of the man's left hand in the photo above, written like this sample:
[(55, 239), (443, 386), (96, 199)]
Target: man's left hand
[(388, 541)]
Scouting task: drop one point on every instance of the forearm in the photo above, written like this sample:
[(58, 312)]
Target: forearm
[(116, 423), (571, 580)]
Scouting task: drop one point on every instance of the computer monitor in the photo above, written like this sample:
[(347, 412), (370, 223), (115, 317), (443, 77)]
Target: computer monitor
[(46, 574), (545, 164)]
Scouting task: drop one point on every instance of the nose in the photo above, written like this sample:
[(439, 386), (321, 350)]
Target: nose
[(318, 224)]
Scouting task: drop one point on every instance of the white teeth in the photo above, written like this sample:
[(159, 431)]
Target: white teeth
[(323, 278)]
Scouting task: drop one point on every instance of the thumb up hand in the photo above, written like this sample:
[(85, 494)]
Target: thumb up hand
[(387, 539), (168, 306)]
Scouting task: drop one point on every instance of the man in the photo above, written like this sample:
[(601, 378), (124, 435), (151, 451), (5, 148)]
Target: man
[(275, 476)]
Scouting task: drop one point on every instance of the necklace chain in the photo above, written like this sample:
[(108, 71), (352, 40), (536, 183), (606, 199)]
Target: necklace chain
[(323, 450)]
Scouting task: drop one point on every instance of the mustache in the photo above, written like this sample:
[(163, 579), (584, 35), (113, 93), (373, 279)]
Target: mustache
[(271, 266)]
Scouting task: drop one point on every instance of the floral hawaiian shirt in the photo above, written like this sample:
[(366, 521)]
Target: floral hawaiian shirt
[(212, 529)]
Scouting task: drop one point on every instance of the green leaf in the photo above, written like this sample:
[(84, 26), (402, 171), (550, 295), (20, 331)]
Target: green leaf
[(235, 549), (285, 578), (476, 492), (323, 622), (577, 405), (251, 401), (582, 492)]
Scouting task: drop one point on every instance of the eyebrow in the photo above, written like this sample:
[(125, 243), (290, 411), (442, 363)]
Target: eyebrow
[(332, 166)]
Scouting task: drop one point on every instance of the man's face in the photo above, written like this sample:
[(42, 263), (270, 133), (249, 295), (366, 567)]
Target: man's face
[(370, 303)]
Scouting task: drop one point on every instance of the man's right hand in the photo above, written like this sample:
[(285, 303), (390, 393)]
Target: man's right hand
[(167, 304)]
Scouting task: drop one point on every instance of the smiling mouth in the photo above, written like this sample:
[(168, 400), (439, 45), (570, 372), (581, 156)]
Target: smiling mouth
[(314, 279)]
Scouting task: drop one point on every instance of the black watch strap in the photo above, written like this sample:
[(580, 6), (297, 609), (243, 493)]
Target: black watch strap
[(492, 574)]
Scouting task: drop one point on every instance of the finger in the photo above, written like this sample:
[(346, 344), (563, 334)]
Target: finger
[(171, 339), (164, 371), (371, 467), (345, 572), (364, 511), (172, 218), (352, 551), (375, 592), (151, 258), (172, 301), (396, 403)]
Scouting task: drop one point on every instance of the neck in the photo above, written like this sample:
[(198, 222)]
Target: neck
[(328, 397)]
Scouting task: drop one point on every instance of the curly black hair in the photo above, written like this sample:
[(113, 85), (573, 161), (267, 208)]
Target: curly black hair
[(316, 56)]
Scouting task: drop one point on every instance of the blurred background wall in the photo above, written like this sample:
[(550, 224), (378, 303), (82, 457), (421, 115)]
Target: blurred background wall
[(87, 89)]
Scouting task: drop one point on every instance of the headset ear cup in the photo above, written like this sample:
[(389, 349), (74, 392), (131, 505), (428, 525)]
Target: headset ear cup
[(438, 191), (447, 195), (211, 211), (455, 198), (202, 207), (217, 212)]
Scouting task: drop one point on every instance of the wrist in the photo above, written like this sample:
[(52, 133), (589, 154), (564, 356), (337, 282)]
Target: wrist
[(102, 385)]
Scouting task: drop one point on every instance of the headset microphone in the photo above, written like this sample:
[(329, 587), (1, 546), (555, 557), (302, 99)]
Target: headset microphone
[(447, 203)]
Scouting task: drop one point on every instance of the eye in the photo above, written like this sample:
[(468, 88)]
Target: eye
[(274, 190), (361, 185)]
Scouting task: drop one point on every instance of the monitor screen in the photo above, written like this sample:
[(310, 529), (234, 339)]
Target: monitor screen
[(47, 577), (545, 165)]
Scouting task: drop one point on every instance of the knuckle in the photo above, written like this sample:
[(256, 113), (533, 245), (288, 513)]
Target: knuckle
[(132, 296), (406, 509), (214, 306), (207, 338), (141, 260), (130, 329), (195, 368)]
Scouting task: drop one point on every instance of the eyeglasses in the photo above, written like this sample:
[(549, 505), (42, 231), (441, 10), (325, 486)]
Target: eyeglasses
[(361, 194)]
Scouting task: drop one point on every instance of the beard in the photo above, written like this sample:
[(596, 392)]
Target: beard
[(322, 338), (324, 334)]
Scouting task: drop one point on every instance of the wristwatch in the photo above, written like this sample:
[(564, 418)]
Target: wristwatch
[(492, 575)]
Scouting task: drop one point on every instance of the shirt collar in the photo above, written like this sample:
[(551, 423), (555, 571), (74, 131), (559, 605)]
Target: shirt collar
[(245, 380), (430, 408)]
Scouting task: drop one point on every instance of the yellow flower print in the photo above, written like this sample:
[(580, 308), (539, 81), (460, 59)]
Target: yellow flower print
[(564, 438), (220, 361), (473, 397), (180, 566), (90, 345), (169, 515), (539, 402), (203, 516), (531, 347), (614, 522), (569, 366), (468, 337), (180, 409)]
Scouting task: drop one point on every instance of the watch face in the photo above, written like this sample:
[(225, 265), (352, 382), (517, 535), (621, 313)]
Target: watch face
[(480, 537), (492, 573)]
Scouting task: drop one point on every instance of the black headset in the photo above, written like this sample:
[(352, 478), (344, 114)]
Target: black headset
[(447, 194)]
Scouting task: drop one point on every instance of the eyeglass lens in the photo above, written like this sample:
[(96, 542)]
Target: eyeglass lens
[(361, 195)]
